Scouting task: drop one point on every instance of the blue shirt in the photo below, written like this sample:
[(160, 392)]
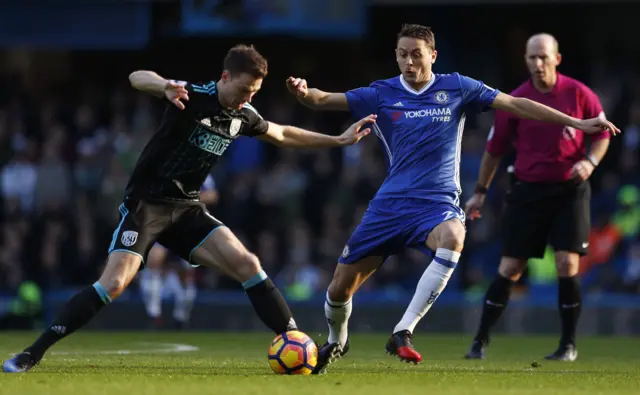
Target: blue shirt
[(421, 132)]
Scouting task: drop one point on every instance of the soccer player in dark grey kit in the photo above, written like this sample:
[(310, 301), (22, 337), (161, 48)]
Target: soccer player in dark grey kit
[(549, 200), (161, 202)]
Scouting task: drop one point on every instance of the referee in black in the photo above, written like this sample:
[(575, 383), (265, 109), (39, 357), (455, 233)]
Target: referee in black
[(549, 199)]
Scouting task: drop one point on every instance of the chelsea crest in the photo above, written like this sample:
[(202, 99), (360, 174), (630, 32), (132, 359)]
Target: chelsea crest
[(441, 97)]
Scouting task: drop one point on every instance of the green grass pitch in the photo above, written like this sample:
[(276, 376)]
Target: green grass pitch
[(221, 363)]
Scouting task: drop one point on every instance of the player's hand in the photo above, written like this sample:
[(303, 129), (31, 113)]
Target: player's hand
[(355, 131), (473, 206), (582, 170), (175, 93), (298, 87), (597, 125)]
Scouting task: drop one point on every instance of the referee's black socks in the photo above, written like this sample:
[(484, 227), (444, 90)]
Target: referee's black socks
[(78, 311), (269, 303), (495, 302), (570, 306)]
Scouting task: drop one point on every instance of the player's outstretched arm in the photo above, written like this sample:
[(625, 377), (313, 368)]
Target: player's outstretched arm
[(315, 98), (291, 136), (151, 82), (148, 81), (530, 109)]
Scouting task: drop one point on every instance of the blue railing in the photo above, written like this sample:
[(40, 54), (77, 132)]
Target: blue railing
[(539, 296)]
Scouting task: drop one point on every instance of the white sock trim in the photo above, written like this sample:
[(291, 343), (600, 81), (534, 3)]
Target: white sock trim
[(336, 304)]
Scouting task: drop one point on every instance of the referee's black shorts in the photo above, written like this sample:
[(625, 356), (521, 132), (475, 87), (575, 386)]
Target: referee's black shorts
[(541, 214), (181, 227)]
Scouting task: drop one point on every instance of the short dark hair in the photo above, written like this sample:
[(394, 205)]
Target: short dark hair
[(419, 32), (246, 59)]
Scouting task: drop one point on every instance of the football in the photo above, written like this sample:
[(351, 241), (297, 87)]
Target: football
[(293, 352)]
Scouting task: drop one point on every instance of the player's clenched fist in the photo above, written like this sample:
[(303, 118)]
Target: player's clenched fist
[(297, 86)]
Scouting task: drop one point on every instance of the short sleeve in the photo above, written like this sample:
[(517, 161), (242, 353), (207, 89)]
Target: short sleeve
[(502, 133), (476, 94), (592, 108), (362, 101), (257, 126)]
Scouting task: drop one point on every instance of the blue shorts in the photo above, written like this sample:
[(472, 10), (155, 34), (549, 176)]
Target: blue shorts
[(390, 226)]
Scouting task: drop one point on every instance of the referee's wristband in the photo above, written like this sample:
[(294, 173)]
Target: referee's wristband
[(592, 160), (481, 190)]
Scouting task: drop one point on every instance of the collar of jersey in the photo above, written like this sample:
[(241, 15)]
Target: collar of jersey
[(425, 88), (229, 112)]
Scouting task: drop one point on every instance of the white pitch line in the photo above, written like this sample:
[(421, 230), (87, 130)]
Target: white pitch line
[(159, 348)]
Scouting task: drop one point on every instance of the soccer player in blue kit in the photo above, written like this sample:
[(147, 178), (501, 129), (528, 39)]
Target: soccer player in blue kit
[(420, 121)]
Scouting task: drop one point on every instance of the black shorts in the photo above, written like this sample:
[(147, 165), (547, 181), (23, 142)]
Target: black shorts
[(539, 214), (180, 227)]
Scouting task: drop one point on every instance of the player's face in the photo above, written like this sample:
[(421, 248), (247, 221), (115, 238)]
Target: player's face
[(542, 60), (415, 58), (239, 89)]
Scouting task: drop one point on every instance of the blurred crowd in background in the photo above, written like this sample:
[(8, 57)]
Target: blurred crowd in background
[(70, 142)]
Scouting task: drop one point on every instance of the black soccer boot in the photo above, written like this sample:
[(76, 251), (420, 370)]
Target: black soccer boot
[(328, 353), (20, 363), (566, 352), (477, 350)]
